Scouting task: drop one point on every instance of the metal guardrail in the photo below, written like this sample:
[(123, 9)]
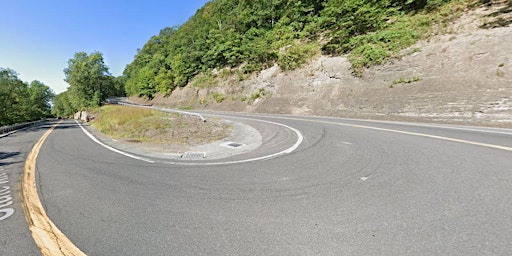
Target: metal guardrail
[(160, 109), (180, 112), (11, 128)]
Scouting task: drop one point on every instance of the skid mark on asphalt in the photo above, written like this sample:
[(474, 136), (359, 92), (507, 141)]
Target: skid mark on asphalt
[(402, 132)]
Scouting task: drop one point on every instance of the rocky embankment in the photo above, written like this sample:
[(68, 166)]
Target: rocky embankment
[(463, 76)]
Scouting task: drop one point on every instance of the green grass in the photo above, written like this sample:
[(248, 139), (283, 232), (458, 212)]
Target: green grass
[(204, 80), (187, 107), (258, 94), (145, 125), (129, 122), (297, 55), (218, 97), (403, 80)]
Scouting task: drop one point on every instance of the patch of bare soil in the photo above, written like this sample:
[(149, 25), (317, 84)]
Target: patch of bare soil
[(183, 133), (462, 77)]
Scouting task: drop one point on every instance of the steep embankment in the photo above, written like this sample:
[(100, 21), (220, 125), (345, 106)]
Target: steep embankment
[(464, 76)]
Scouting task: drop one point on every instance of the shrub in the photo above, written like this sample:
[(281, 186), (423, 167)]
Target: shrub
[(219, 97), (296, 55)]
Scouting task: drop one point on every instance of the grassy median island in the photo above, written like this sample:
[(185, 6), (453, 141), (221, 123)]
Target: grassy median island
[(134, 124)]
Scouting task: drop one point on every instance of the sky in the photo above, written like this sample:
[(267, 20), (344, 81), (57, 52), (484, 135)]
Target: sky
[(37, 38)]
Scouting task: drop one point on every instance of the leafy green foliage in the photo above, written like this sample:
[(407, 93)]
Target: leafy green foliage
[(146, 125), (89, 79), (62, 106), (348, 18), (223, 33), (375, 47), (22, 102), (296, 55), (90, 84), (258, 94), (252, 35), (218, 97)]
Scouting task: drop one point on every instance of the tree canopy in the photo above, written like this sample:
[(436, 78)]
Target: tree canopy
[(90, 83), (89, 79), (255, 34), (20, 101)]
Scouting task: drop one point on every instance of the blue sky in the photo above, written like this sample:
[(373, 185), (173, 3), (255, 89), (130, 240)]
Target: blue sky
[(37, 38)]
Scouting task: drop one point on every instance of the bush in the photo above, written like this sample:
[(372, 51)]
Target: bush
[(219, 97), (296, 55)]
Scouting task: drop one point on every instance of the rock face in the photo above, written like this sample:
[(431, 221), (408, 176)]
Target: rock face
[(83, 116), (463, 77)]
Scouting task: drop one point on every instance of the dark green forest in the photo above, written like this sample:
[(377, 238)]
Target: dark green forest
[(252, 35), (20, 101)]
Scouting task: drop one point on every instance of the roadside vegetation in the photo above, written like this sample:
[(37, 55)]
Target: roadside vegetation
[(90, 84), (134, 124), (235, 38), (247, 36), (227, 38), (20, 101)]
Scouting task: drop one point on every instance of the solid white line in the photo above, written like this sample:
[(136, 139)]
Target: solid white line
[(405, 132), (472, 129), (299, 141), (494, 130), (111, 148)]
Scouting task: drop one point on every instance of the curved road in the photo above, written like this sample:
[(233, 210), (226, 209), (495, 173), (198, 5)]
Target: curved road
[(351, 187)]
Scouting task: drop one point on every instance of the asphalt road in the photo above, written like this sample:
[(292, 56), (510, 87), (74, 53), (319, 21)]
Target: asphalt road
[(15, 238), (351, 187)]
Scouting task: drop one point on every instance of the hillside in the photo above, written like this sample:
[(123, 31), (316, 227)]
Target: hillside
[(463, 75)]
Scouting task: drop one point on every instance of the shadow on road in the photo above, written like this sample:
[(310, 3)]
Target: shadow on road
[(47, 125), (5, 156)]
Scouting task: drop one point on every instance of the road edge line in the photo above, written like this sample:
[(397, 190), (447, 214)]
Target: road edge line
[(425, 135), (46, 235), (91, 136)]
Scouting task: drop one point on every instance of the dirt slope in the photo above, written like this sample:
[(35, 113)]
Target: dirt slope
[(464, 76)]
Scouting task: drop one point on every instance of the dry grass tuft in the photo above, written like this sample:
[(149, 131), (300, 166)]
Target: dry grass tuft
[(135, 124)]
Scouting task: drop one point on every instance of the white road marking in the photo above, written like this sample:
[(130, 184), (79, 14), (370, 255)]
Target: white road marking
[(470, 129), (504, 131), (408, 133), (5, 198), (111, 148), (299, 141)]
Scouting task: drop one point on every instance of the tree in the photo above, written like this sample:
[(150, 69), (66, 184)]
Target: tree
[(20, 102), (89, 79), (62, 106), (348, 18), (13, 98), (40, 96), (253, 34)]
